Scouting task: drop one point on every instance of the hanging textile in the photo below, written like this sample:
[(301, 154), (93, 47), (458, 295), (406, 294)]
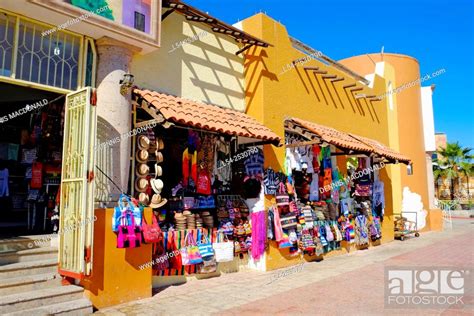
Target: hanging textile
[(259, 235), (277, 225), (189, 167)]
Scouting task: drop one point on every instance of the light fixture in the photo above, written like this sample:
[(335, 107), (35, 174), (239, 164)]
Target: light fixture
[(410, 169), (57, 49), (126, 83)]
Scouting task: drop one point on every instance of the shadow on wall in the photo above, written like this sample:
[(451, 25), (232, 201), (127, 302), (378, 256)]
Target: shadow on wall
[(105, 191), (312, 82), (195, 63)]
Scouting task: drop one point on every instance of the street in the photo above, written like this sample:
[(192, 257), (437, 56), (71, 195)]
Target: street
[(348, 284)]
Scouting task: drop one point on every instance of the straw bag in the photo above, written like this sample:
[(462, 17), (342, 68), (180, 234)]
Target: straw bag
[(224, 250)]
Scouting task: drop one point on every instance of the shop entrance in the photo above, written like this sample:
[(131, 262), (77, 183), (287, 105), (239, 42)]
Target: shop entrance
[(31, 138)]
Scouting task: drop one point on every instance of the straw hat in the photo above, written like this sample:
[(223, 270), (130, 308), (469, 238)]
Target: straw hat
[(141, 184), (142, 156), (142, 170), (143, 142), (158, 171), (144, 198), (158, 144), (156, 185), (159, 156), (157, 201)]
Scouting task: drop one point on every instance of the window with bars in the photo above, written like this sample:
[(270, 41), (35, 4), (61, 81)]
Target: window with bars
[(55, 59)]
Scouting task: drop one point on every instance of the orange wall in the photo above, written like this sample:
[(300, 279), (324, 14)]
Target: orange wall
[(273, 94), (116, 278)]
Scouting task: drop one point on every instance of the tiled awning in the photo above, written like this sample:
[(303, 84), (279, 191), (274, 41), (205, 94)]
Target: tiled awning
[(203, 116), (382, 150), (348, 141)]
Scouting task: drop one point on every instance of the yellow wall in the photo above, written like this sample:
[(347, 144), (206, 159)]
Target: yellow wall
[(206, 69), (273, 94)]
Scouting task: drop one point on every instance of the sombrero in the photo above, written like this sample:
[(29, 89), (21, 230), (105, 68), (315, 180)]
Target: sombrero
[(144, 198), (157, 201), (143, 142), (142, 156), (142, 170), (141, 184), (156, 185)]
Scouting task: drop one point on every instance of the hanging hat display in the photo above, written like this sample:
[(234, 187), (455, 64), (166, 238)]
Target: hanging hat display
[(141, 184), (143, 142), (157, 201), (142, 170), (142, 156)]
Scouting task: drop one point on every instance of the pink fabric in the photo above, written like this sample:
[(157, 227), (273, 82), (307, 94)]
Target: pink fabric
[(259, 234), (277, 225)]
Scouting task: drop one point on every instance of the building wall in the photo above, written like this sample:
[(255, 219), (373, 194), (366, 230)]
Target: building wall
[(204, 68), (273, 94), (410, 117)]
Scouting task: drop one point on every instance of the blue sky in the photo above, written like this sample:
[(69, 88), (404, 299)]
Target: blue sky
[(440, 34)]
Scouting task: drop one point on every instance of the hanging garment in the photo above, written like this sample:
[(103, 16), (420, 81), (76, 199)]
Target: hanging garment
[(361, 230), (314, 189), (222, 170), (259, 235), (271, 181), (4, 174), (346, 206), (379, 198), (316, 158), (290, 161), (270, 228), (306, 158), (254, 163), (189, 171), (206, 153), (277, 225)]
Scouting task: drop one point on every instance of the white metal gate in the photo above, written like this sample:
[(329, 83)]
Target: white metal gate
[(77, 200)]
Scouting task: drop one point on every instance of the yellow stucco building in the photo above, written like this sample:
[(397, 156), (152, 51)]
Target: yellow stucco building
[(280, 85)]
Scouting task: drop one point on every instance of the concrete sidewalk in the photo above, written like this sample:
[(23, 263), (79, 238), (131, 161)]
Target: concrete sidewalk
[(347, 284)]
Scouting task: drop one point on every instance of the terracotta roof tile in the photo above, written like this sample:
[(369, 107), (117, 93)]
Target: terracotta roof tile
[(382, 150), (333, 136), (206, 116), (351, 141)]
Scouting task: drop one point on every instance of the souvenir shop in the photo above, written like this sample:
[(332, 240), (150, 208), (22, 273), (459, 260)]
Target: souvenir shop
[(31, 123), (329, 196), (203, 182)]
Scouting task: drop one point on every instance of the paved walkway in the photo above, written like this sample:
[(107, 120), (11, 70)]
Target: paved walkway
[(351, 284)]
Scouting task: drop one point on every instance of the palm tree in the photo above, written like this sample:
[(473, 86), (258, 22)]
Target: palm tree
[(453, 162)]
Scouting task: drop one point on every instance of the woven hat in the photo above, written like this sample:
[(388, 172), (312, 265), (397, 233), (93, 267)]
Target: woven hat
[(159, 156), (141, 184), (144, 198), (142, 156), (156, 185), (157, 201), (142, 170), (158, 171), (143, 142)]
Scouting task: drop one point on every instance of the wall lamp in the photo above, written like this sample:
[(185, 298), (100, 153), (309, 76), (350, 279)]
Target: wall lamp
[(126, 83)]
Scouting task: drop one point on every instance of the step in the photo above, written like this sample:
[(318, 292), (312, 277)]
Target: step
[(72, 308), (25, 242), (38, 298), (27, 283), (28, 255), (28, 268)]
